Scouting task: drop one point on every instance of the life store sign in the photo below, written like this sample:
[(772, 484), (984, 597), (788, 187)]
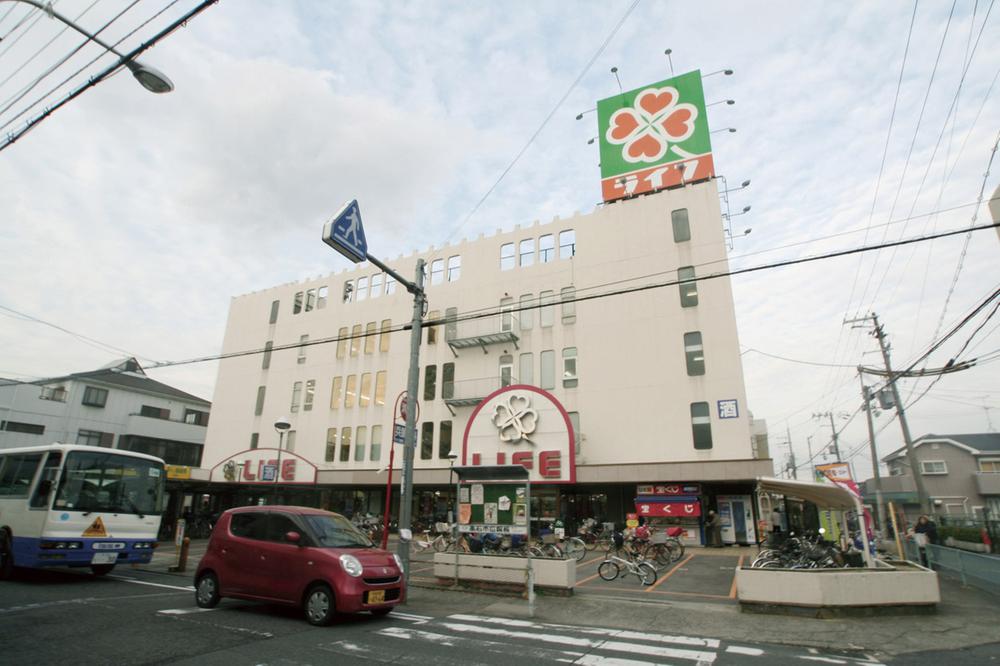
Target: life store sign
[(522, 425), (263, 466), (654, 137)]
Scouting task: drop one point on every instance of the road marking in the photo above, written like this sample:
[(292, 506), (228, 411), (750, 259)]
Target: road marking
[(669, 573), (411, 617), (188, 588), (739, 649), (183, 611), (599, 631)]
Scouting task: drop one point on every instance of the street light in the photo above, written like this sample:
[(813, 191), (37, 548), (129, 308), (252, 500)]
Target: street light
[(452, 457), (724, 129), (727, 102), (281, 426), (149, 77)]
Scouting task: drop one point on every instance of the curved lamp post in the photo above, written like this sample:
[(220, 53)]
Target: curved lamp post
[(281, 425), (149, 77)]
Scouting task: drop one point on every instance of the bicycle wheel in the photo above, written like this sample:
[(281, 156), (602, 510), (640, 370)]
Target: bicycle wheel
[(608, 570), (590, 541), (646, 573), (552, 550), (576, 548), (676, 549), (659, 553), (441, 543)]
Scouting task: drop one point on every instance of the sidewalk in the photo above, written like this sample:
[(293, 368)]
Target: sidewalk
[(965, 617)]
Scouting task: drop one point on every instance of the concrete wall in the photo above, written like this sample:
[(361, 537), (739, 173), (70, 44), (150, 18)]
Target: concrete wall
[(904, 585)]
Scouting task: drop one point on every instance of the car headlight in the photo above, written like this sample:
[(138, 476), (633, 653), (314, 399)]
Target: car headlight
[(351, 565), (399, 562)]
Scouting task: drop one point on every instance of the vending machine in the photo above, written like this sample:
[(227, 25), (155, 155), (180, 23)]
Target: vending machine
[(736, 517)]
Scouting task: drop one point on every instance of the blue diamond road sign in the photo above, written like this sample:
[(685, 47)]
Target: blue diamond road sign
[(344, 233)]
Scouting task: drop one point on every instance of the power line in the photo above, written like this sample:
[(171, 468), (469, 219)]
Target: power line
[(792, 360), (83, 338)]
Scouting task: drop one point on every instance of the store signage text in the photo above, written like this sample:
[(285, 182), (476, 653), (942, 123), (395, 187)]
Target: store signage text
[(670, 489), (669, 509), (549, 462)]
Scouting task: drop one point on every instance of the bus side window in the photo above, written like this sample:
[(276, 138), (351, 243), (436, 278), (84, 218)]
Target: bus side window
[(18, 473), (47, 481)]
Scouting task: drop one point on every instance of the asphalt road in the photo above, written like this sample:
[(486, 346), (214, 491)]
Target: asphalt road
[(143, 617)]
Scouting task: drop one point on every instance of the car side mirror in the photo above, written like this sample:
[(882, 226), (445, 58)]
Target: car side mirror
[(293, 537)]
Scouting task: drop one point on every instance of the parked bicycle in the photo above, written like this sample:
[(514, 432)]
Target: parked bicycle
[(613, 567)]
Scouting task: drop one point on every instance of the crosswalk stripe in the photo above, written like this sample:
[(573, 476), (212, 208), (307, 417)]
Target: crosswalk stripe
[(615, 633), (511, 650)]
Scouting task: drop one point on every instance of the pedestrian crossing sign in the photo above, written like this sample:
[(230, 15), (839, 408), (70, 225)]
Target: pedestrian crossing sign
[(345, 233)]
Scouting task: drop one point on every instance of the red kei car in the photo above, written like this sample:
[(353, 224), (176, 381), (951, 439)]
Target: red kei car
[(300, 556)]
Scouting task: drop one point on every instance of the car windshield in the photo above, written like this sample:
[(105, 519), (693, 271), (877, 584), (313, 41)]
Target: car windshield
[(335, 531)]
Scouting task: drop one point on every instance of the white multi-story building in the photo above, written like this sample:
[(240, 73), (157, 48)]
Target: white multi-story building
[(644, 382)]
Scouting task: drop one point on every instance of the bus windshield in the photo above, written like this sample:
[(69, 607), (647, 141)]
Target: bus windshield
[(105, 481)]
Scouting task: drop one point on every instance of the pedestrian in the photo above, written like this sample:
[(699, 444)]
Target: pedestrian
[(713, 530), (924, 532), (776, 520)]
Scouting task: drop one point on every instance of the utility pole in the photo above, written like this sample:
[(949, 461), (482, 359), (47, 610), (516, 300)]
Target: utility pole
[(791, 453), (867, 396), (911, 456), (833, 427)]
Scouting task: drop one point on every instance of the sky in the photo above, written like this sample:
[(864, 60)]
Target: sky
[(129, 220)]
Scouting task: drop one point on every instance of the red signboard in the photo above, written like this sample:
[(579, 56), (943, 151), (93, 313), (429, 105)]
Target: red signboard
[(670, 489), (669, 509)]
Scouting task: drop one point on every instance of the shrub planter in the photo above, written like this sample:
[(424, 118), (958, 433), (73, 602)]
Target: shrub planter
[(504, 572), (952, 542)]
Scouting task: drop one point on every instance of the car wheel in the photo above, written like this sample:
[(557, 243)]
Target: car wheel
[(101, 569), (319, 606), (206, 591), (6, 557)]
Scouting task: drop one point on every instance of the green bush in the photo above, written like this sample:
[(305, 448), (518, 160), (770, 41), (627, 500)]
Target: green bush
[(972, 534)]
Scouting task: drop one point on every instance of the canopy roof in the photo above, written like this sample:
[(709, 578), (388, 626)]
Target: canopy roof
[(823, 495), (492, 472)]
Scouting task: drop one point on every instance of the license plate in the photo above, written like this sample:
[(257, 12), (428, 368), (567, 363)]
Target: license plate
[(104, 558), (376, 597)]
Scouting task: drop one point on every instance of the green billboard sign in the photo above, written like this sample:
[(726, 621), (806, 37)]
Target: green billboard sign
[(654, 137)]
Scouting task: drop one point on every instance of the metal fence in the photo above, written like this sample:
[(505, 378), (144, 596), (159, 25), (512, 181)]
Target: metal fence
[(982, 571)]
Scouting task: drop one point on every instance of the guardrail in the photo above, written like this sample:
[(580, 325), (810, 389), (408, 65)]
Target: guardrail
[(982, 571)]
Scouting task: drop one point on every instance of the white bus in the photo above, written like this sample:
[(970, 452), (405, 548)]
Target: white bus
[(78, 506)]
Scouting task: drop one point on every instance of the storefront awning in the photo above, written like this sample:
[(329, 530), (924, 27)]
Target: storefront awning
[(823, 495), (492, 472)]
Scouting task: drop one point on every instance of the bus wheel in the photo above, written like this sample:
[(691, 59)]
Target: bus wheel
[(6, 556), (101, 569)]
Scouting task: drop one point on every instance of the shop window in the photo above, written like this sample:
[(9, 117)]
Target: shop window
[(345, 444), (701, 425)]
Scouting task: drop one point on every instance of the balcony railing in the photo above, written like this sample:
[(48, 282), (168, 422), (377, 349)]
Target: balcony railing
[(987, 483), (494, 330), (470, 392)]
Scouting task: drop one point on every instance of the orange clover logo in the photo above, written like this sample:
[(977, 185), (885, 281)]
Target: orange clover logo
[(646, 129)]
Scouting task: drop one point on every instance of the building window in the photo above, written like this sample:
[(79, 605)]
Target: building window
[(27, 428), (450, 324), (360, 439), (95, 397), (351, 391), (694, 353), (432, 330), (154, 412), (296, 396), (437, 271), (679, 221), (259, 407), (370, 332), (342, 342), (310, 299), (688, 287), (376, 285), (567, 244), (321, 298), (254, 440), (547, 359), (430, 382), (383, 338), (427, 440), (366, 390), (547, 313), (526, 369), (569, 367), (574, 421), (546, 249), (348, 291), (265, 362), (447, 381), (507, 258), (444, 439), (989, 465), (376, 447), (506, 370), (289, 441), (933, 467), (524, 312), (701, 425), (94, 438), (345, 444), (54, 393), (454, 268), (195, 417), (390, 285), (526, 250), (274, 312), (336, 389), (331, 445), (297, 303), (568, 299), (506, 314), (310, 395), (303, 339), (362, 288), (355, 339)]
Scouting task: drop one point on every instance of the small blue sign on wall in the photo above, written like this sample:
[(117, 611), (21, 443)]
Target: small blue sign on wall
[(729, 409)]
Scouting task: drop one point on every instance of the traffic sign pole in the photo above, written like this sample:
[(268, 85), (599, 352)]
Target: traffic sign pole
[(406, 492)]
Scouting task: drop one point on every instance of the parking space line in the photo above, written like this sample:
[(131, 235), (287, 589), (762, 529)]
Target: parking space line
[(669, 573), (732, 590)]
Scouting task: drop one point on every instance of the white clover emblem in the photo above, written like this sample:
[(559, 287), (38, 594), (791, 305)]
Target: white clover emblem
[(515, 419), (646, 129)]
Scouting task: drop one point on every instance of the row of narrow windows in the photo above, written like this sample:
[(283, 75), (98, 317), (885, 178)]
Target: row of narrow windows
[(524, 253)]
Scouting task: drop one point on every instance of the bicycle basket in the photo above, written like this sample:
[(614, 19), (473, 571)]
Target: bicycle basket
[(619, 539), (442, 527), (675, 531), (549, 538)]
